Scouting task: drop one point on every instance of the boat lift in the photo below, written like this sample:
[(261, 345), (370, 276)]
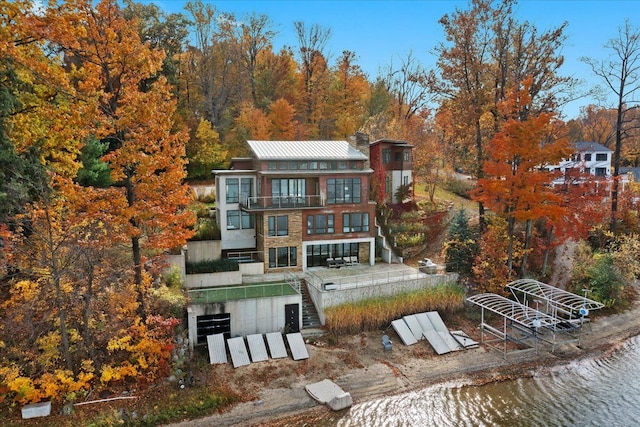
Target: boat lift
[(520, 322), (556, 311)]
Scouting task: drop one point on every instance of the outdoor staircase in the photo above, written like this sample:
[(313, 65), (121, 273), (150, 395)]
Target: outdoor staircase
[(310, 318)]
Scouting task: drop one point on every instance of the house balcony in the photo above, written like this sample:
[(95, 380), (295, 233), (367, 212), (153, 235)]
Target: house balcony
[(257, 204)]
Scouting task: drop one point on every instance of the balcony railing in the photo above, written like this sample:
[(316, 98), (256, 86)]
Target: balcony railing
[(281, 202)]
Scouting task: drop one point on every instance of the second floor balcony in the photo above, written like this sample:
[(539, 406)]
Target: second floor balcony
[(254, 204)]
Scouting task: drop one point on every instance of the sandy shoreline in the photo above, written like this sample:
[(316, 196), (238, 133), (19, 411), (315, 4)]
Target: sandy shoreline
[(360, 366)]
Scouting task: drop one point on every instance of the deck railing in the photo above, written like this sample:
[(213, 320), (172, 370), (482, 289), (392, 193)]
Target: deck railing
[(281, 202)]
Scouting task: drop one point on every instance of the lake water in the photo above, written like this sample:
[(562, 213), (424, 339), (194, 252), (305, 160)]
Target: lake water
[(598, 392)]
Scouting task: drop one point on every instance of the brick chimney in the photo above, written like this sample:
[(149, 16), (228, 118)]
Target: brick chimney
[(360, 141)]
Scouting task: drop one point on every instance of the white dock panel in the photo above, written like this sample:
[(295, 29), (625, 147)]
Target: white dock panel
[(297, 346), (436, 321), (276, 345), (443, 331), (257, 348), (238, 350), (404, 332), (464, 340), (217, 349), (414, 326), (424, 321), (437, 342)]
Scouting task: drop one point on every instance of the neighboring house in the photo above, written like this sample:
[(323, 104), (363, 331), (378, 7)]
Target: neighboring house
[(392, 162), (632, 173), (298, 204), (589, 158)]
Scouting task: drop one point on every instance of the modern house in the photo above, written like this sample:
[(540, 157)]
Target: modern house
[(392, 162), (298, 204)]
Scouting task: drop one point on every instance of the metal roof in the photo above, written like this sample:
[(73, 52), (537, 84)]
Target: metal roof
[(557, 296), (513, 310), (305, 150)]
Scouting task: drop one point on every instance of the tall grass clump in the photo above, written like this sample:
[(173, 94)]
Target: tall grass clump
[(375, 313)]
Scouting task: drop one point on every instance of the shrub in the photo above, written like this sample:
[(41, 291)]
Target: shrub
[(211, 266), (459, 187), (206, 229)]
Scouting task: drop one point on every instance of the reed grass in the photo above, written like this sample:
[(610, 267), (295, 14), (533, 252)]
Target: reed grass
[(376, 313)]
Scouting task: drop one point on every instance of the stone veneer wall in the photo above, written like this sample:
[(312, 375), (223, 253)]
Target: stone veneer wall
[(294, 238)]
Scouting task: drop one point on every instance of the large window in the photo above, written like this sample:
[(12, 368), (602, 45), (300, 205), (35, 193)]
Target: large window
[(278, 225), (288, 187), (317, 254), (320, 224), (246, 187), (237, 220), (602, 157), (283, 257), (232, 185), (233, 220), (355, 222), (343, 190)]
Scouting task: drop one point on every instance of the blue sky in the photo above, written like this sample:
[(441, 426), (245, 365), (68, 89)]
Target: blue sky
[(383, 31)]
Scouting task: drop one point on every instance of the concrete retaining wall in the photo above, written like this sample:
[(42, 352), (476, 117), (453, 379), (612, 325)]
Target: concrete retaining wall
[(248, 316), (211, 280), (251, 268), (202, 250)]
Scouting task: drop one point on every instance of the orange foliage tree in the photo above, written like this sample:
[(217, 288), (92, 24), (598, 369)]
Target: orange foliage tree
[(73, 294), (517, 187), (134, 115)]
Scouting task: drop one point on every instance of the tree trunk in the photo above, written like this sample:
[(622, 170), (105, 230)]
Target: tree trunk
[(547, 249), (136, 251), (511, 225), (527, 245)]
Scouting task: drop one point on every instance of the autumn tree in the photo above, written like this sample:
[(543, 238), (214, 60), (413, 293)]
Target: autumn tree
[(347, 96), (205, 151), (621, 75), (145, 154), (255, 35), (409, 84), (515, 185), (490, 266), (314, 73), (487, 53), (213, 65), (282, 120)]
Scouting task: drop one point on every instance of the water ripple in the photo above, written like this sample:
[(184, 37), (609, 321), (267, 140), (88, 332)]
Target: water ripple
[(590, 392)]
